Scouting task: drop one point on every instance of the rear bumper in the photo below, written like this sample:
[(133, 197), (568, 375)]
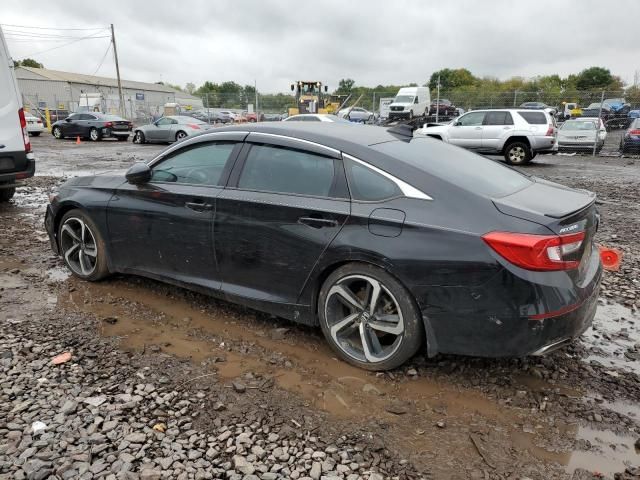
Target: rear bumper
[(8, 180), (543, 144), (108, 132)]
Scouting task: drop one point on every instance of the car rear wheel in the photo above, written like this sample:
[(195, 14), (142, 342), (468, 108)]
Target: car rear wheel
[(180, 135), (517, 153), (57, 132), (138, 137), (82, 247), (7, 194), (369, 319), (94, 135)]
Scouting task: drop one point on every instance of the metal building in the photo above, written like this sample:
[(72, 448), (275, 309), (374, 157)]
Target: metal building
[(43, 88)]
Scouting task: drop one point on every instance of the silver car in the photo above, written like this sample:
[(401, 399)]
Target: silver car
[(356, 114), (315, 117), (169, 129), (581, 134)]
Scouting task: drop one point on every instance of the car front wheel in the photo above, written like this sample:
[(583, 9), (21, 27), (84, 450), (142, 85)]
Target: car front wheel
[(517, 153), (82, 247), (369, 319), (94, 135), (180, 135), (57, 132)]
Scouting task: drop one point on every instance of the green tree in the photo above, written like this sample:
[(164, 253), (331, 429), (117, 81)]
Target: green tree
[(190, 88), (451, 78), (27, 62), (593, 77), (345, 85)]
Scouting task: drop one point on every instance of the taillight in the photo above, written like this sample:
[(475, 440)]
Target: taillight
[(634, 132), (108, 124), (537, 252), (25, 133), (550, 131), (195, 127), (39, 121)]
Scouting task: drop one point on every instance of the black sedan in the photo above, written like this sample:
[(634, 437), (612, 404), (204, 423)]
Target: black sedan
[(389, 243), (92, 125)]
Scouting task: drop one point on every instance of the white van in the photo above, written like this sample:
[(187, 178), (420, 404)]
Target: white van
[(410, 102), (16, 159)]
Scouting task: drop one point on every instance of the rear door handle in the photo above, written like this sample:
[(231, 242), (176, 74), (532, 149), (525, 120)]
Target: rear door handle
[(314, 222), (199, 206)]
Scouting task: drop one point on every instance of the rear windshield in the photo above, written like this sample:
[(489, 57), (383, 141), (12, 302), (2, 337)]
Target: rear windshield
[(534, 118), (457, 166)]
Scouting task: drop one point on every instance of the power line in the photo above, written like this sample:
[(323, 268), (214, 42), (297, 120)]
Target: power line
[(51, 28), (102, 61), (16, 33), (65, 44)]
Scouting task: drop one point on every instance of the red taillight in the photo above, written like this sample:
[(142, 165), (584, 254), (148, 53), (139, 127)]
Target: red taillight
[(536, 252), (25, 133), (634, 132), (39, 121), (195, 127), (108, 124), (550, 131)]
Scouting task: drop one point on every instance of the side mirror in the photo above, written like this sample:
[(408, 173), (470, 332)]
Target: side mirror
[(138, 173), (68, 119), (457, 124)]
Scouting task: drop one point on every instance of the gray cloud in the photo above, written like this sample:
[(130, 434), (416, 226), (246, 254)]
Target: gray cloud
[(374, 42)]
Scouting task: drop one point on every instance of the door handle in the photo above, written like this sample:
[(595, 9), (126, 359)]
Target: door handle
[(317, 222), (199, 206)]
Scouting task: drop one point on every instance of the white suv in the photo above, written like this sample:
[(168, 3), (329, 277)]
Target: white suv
[(515, 133)]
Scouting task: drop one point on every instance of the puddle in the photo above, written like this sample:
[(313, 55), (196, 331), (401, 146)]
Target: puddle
[(613, 337), (608, 453), (58, 274)]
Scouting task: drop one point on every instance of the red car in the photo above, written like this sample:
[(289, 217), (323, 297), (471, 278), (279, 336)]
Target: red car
[(444, 108)]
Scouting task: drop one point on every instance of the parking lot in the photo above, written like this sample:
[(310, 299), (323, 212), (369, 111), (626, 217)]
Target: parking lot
[(188, 368)]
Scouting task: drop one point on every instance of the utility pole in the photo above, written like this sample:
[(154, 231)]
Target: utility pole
[(595, 143), (438, 100), (115, 54), (255, 89)]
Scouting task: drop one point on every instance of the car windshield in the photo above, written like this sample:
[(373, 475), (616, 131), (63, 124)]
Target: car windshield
[(457, 166), (578, 125), (404, 99)]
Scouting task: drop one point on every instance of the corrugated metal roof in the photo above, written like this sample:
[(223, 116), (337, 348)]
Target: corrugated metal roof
[(59, 76)]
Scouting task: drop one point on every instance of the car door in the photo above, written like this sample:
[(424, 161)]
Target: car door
[(495, 127), (467, 130), (85, 123), (70, 126), (164, 228), (158, 131), (285, 202)]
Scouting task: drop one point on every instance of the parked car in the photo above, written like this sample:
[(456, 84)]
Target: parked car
[(594, 110), (581, 134), (228, 116), (272, 117), (169, 129), (618, 105), (410, 102), (34, 125), (517, 134), (630, 142), (17, 161), (398, 243), (315, 117), (444, 108), (356, 114), (94, 126), (252, 117)]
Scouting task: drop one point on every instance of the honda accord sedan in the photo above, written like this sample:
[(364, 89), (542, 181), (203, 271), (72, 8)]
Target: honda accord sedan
[(92, 125), (389, 243)]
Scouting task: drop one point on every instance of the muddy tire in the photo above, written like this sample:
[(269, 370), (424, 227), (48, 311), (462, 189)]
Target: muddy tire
[(517, 153), (369, 318), (82, 247), (7, 194), (57, 132)]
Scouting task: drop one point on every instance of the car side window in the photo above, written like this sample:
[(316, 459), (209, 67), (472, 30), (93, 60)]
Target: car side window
[(498, 118), (471, 119), (368, 185), (198, 165), (164, 121), (283, 170)]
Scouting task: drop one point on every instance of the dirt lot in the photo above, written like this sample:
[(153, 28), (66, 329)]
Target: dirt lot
[(165, 383)]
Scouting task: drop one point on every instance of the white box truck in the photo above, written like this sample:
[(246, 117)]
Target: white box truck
[(410, 102)]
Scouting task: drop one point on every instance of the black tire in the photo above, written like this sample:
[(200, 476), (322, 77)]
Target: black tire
[(517, 153), (7, 194), (180, 135), (35, 134), (122, 138), (65, 241), (138, 137), (405, 345), (410, 114), (94, 135), (57, 133)]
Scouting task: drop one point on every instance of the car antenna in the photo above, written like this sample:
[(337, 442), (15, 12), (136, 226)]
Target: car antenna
[(404, 130)]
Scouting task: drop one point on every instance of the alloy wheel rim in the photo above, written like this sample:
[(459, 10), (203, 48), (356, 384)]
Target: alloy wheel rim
[(56, 132), (516, 154), (78, 246), (94, 134), (181, 135), (138, 137), (364, 319)]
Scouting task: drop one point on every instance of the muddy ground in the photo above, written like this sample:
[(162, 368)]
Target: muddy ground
[(573, 414)]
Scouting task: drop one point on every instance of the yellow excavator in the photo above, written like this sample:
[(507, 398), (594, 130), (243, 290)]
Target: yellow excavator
[(310, 97)]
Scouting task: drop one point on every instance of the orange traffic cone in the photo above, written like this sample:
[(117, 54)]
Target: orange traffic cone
[(78, 140), (611, 258)]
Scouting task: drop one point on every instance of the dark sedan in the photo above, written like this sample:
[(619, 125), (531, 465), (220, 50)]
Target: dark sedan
[(630, 142), (92, 125), (389, 243)]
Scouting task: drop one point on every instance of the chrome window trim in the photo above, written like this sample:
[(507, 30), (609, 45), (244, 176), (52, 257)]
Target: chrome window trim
[(406, 189), (189, 141), (300, 140)]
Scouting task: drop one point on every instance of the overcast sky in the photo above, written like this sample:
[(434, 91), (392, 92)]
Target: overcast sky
[(374, 42)]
